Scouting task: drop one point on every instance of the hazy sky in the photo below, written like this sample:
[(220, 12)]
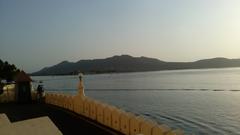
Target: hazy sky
[(39, 33)]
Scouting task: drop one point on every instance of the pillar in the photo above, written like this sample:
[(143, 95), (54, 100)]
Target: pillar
[(80, 86)]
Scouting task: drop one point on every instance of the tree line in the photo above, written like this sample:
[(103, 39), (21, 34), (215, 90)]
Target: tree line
[(7, 71)]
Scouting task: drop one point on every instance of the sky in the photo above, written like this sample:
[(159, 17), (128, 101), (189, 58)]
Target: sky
[(39, 33)]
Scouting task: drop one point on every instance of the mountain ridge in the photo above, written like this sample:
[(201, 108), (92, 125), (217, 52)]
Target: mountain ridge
[(127, 63)]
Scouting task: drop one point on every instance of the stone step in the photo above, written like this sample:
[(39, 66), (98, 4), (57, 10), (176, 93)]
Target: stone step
[(36, 126), (4, 120)]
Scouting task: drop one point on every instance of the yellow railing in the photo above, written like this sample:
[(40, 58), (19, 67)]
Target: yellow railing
[(110, 116)]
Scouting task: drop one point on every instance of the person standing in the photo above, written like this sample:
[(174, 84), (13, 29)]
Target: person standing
[(40, 92)]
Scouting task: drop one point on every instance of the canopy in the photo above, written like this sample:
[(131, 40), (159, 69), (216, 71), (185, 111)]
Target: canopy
[(22, 77)]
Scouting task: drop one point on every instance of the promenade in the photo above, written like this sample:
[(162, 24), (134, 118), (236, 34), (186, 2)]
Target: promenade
[(66, 121)]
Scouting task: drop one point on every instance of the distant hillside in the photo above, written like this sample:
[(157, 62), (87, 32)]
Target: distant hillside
[(126, 63)]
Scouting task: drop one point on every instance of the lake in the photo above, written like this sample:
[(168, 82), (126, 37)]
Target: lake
[(205, 101)]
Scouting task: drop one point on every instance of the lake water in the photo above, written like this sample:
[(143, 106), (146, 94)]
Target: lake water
[(197, 101)]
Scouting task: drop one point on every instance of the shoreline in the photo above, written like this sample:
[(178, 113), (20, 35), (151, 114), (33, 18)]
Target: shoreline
[(167, 70)]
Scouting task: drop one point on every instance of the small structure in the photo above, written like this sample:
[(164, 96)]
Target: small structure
[(80, 86), (23, 87)]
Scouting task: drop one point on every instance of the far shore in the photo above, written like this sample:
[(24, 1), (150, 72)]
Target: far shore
[(165, 70)]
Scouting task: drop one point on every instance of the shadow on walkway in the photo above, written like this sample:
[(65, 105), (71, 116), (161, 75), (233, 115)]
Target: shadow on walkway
[(67, 122)]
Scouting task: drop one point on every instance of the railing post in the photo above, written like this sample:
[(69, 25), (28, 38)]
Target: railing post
[(80, 86)]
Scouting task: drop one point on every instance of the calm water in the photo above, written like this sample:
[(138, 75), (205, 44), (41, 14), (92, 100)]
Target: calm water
[(197, 101)]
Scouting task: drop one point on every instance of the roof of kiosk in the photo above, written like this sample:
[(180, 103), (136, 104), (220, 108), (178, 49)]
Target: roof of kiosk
[(22, 77)]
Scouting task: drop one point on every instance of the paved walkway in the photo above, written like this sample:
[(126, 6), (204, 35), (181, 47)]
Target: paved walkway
[(67, 122)]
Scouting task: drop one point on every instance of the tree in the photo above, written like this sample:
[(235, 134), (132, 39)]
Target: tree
[(7, 71)]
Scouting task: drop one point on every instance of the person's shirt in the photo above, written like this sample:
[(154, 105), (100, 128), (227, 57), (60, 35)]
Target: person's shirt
[(39, 89)]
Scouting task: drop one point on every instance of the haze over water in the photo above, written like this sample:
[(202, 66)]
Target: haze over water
[(197, 101)]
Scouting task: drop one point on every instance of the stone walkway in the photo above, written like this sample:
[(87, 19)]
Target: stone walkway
[(67, 122)]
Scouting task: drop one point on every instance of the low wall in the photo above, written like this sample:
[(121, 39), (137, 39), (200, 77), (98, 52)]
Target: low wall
[(110, 116), (8, 94)]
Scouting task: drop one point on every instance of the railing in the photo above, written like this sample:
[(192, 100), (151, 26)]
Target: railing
[(110, 116)]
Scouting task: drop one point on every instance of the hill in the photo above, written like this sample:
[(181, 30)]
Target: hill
[(126, 63)]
